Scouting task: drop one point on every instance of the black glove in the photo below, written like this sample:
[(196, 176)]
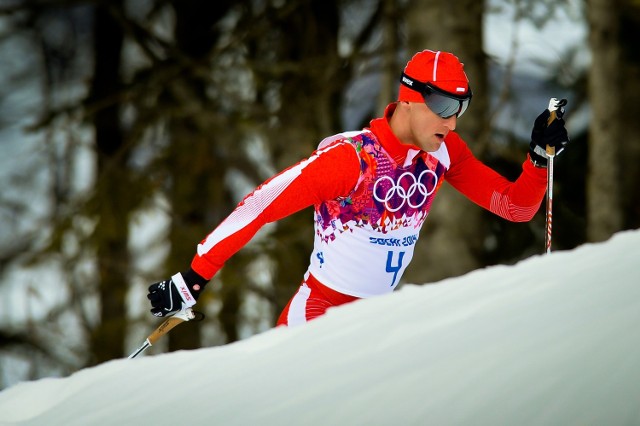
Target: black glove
[(180, 291), (543, 134)]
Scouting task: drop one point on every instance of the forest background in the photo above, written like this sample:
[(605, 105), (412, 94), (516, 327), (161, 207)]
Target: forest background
[(130, 129)]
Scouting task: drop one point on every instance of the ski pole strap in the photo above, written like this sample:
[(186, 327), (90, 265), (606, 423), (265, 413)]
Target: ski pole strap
[(183, 289), (551, 150)]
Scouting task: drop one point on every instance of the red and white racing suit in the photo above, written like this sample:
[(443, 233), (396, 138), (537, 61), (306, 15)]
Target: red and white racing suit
[(371, 195)]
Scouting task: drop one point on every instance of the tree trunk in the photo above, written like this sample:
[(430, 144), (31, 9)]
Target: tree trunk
[(111, 196), (630, 93), (605, 213), (614, 146)]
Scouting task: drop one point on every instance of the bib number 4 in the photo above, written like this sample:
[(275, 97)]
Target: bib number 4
[(394, 266)]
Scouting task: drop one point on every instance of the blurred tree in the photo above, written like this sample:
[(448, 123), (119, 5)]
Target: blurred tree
[(197, 156), (614, 145), (114, 198)]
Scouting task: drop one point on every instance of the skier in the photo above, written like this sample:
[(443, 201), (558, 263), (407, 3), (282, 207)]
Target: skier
[(371, 191)]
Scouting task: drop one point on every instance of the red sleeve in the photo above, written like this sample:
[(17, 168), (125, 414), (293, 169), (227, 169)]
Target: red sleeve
[(328, 173), (515, 201)]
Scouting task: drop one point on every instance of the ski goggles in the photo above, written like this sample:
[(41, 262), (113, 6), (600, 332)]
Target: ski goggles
[(443, 104)]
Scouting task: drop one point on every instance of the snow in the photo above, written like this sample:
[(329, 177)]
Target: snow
[(552, 340)]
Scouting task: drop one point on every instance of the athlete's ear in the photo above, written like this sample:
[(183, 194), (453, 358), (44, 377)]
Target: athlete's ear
[(404, 104)]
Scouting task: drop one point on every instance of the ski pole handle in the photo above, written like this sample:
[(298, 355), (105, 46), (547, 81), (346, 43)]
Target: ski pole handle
[(167, 325), (556, 111)]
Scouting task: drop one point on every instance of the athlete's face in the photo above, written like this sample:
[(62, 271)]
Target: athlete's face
[(428, 129)]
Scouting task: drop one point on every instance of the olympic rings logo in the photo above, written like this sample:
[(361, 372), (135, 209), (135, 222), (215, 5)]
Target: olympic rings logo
[(398, 191)]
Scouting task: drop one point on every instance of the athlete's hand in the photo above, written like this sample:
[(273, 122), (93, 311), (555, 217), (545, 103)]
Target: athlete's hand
[(545, 134), (171, 296)]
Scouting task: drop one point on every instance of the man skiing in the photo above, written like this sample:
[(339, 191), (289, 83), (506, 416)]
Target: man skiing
[(371, 191)]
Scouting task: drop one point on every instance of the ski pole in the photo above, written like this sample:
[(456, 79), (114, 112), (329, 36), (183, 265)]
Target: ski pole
[(186, 314), (554, 105)]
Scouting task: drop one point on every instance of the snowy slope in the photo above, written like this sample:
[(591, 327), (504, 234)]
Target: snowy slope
[(553, 340)]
